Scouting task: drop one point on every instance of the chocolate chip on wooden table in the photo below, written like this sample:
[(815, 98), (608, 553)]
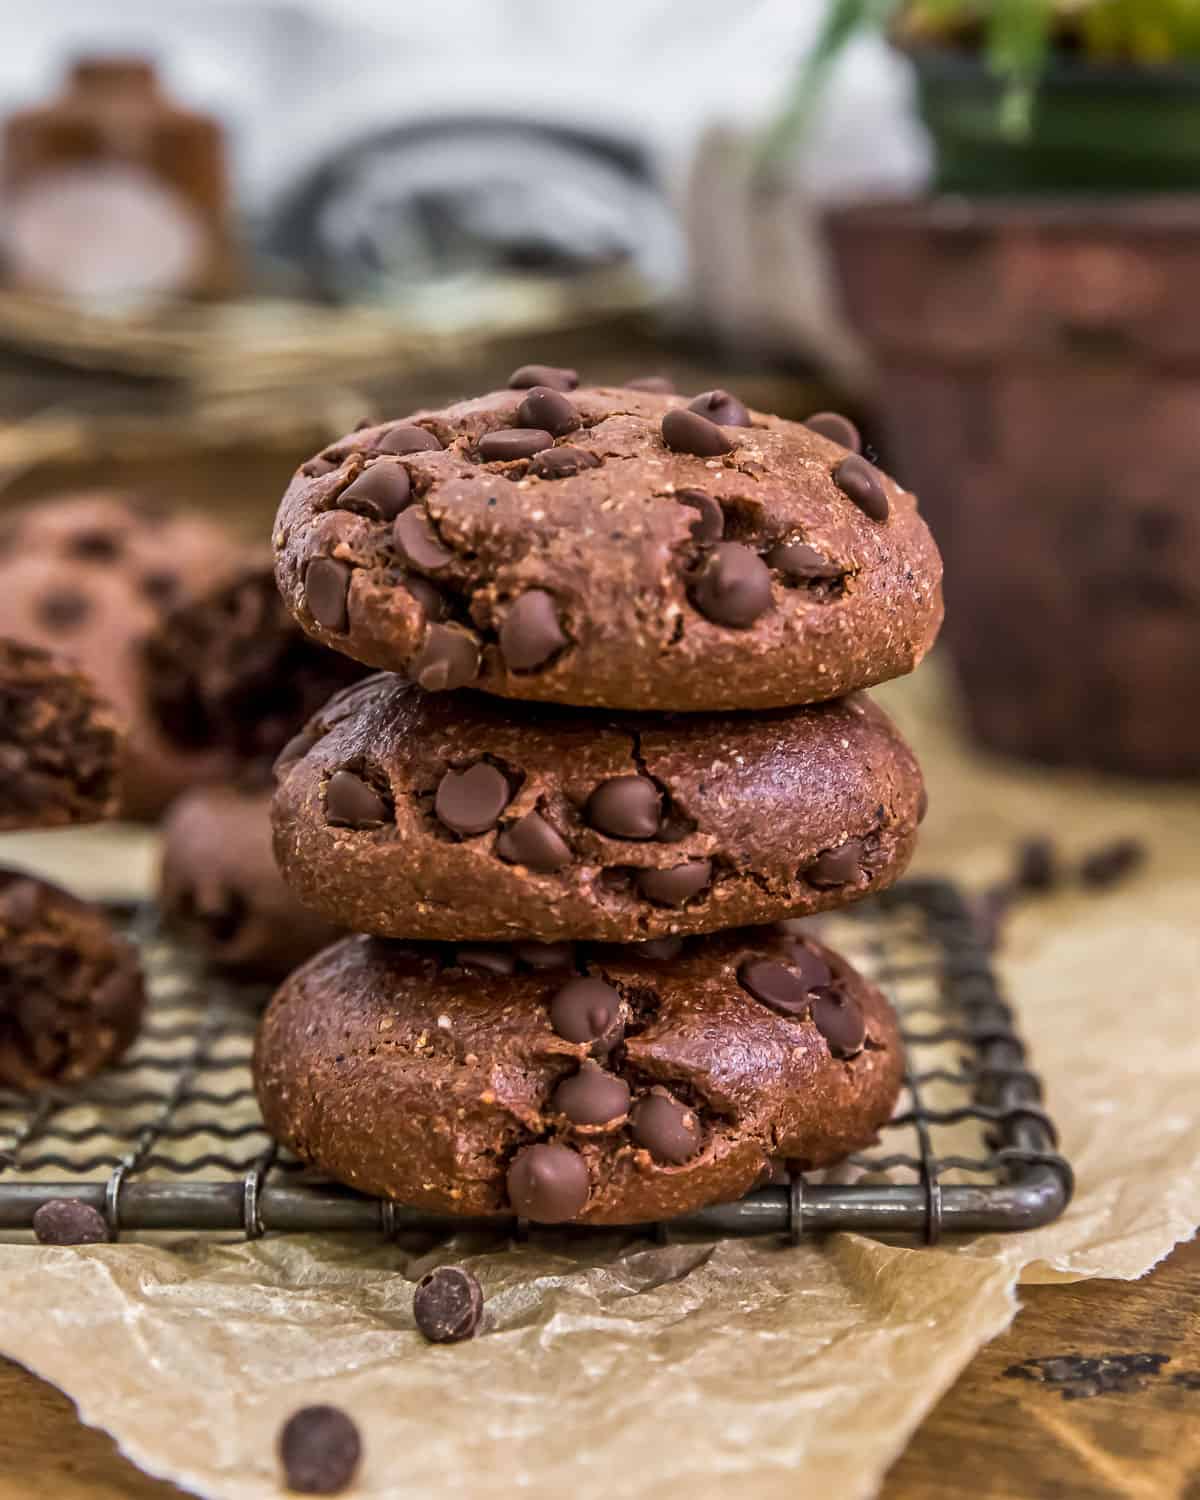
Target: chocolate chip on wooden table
[(449, 659), (408, 438), (383, 490), (532, 842), (417, 542), (688, 432), (448, 1305), (326, 586), (548, 410), (470, 802), (531, 632), (555, 379), (548, 1183), (665, 1127), (593, 1096), (836, 428), (859, 480), (722, 408), (587, 1010), (677, 886), (68, 1221), (733, 586), (510, 443), (840, 1020), (625, 807), (840, 866), (563, 462), (351, 803), (709, 525), (320, 1450)]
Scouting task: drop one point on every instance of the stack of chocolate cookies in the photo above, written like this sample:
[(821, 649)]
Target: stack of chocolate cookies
[(619, 744)]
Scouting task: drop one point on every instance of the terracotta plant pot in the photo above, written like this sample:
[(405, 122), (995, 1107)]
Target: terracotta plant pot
[(1039, 387)]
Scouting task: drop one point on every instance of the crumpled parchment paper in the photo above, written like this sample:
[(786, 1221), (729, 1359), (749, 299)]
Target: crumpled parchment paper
[(624, 1368)]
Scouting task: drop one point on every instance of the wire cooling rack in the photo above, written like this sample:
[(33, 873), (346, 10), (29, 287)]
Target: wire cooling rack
[(171, 1138)]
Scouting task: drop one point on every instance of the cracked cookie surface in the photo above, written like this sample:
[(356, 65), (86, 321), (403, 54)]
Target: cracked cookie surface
[(453, 816), (610, 547), (601, 1085)]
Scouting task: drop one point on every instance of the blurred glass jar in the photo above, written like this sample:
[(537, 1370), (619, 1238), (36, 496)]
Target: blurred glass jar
[(113, 195)]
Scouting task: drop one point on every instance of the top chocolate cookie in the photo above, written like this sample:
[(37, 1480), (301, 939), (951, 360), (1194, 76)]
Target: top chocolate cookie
[(612, 547)]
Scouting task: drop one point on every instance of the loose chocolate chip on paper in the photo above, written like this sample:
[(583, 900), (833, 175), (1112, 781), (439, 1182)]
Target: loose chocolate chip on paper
[(471, 801), (483, 960), (531, 633), (320, 1450), (551, 376), (657, 385), (835, 427), (548, 1183), (840, 866), (677, 886), (840, 1020), (407, 438), (722, 408), (784, 987), (592, 1096), (546, 955), (689, 432), (548, 410), (665, 1127), (625, 807), (448, 1305), (326, 586), (859, 480), (587, 1010), (417, 542), (733, 586), (709, 525), (532, 842), (563, 462), (351, 803), (382, 490), (510, 443), (67, 1221), (449, 659), (1036, 866), (799, 560), (1112, 863)]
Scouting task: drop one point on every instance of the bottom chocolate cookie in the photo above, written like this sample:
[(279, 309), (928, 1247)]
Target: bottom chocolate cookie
[(599, 1085), (71, 996)]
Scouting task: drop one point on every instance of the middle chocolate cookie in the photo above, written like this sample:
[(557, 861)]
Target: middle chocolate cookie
[(408, 814)]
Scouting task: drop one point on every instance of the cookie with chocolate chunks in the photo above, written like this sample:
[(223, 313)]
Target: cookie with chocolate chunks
[(71, 995), (455, 816), (405, 1072), (611, 547), (60, 747)]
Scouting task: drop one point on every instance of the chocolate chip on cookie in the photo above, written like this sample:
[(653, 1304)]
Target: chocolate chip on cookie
[(722, 408), (550, 376), (531, 633), (548, 1184), (835, 427), (733, 586), (860, 480)]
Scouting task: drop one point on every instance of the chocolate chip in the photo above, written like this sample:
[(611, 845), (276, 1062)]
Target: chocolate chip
[(320, 1450), (448, 1305), (689, 432), (658, 950), (785, 987), (471, 801), (427, 595), (67, 1221), (382, 490), (95, 546), (855, 477), (448, 659), (63, 609), (531, 633), (592, 1096), (922, 803), (532, 842), (709, 525), (546, 955), (733, 586), (840, 1020), (626, 807), (722, 408), (326, 587), (657, 385), (548, 410), (296, 749), (835, 427), (799, 560), (317, 468), (665, 1127), (587, 1010), (1112, 863), (1036, 865), (562, 462), (550, 376), (407, 438), (417, 542), (351, 803), (548, 1184), (483, 960), (677, 886), (838, 866), (511, 443)]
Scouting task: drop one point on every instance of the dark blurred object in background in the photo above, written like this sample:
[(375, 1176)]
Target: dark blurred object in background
[(113, 194)]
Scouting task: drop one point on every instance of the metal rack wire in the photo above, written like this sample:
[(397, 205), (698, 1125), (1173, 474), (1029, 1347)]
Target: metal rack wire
[(171, 1138)]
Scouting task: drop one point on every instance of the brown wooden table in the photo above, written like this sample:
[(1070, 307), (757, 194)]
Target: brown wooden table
[(998, 1435)]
